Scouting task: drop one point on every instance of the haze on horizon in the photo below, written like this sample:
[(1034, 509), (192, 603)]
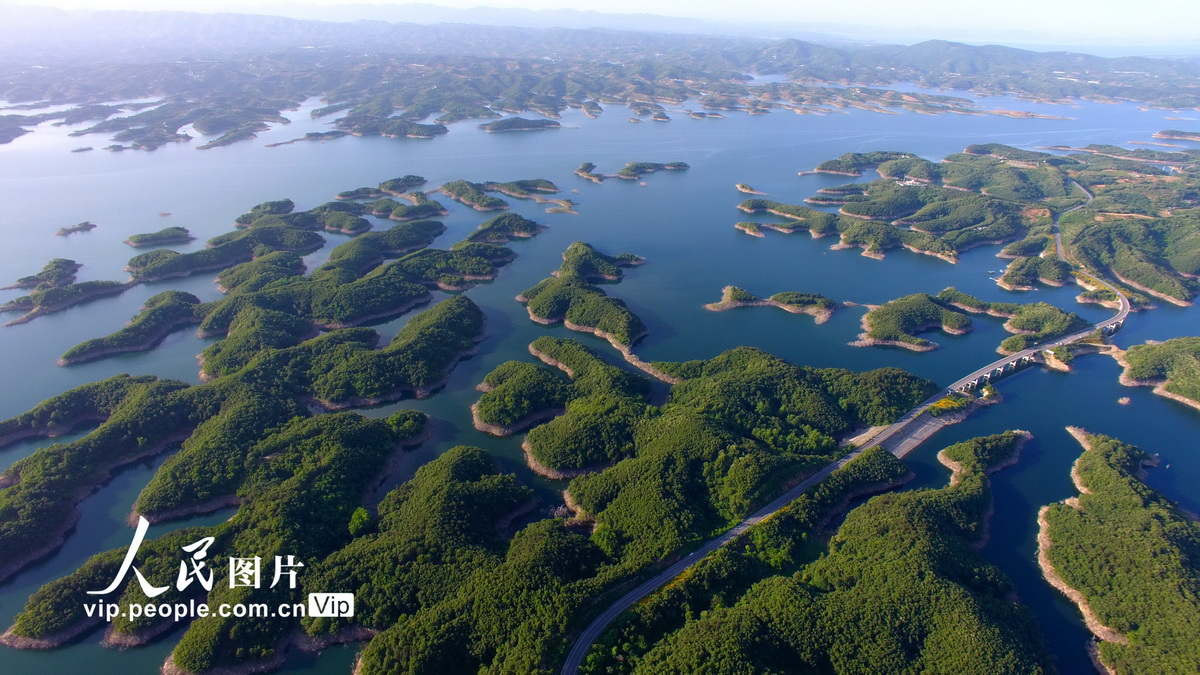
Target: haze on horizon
[(1156, 26)]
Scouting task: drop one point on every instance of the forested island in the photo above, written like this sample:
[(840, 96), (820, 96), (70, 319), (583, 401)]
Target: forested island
[(1137, 604), (1170, 367), (1176, 135), (57, 272), (167, 235), (897, 322), (85, 226), (570, 297), (816, 305), (519, 124)]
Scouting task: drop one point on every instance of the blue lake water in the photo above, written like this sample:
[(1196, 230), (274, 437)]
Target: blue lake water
[(681, 222)]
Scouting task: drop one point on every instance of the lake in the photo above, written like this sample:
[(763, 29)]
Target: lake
[(681, 222)]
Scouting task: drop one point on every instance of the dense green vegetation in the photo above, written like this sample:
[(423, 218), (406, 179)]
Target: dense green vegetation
[(59, 414), (167, 235), (1134, 556), (298, 490), (473, 195), (798, 299), (223, 251), (1033, 245), (517, 392), (421, 207), (1029, 271), (504, 228), (401, 185), (900, 319), (161, 315), (50, 299), (634, 170), (854, 163), (362, 193), (57, 272), (570, 296), (778, 545), (901, 587), (1176, 361), (1034, 323), (595, 415), (519, 124)]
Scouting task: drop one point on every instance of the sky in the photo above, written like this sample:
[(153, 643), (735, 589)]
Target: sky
[(1092, 22)]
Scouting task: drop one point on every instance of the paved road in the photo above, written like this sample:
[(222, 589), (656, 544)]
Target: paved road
[(584, 643), (1058, 247)]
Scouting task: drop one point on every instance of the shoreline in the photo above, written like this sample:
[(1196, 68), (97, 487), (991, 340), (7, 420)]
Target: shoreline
[(154, 517), (1051, 575), (60, 429), (558, 474), (35, 311), (1152, 292), (1159, 386), (956, 474), (67, 525), (530, 420), (294, 638), (820, 315), (146, 345), (865, 340)]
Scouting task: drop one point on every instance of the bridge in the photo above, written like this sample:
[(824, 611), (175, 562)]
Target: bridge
[(981, 376)]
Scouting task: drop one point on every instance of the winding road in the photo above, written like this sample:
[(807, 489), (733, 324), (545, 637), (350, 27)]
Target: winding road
[(588, 637)]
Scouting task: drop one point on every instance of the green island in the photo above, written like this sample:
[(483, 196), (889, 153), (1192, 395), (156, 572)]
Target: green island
[(896, 323), (160, 316), (742, 187), (167, 235), (57, 272), (519, 124), (421, 207), (85, 226), (1177, 135), (389, 127), (504, 228), (588, 170), (57, 298), (362, 193), (1137, 602), (401, 185), (473, 195), (899, 585), (592, 418), (1024, 273), (814, 304), (223, 251), (570, 297), (635, 170), (1171, 367)]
